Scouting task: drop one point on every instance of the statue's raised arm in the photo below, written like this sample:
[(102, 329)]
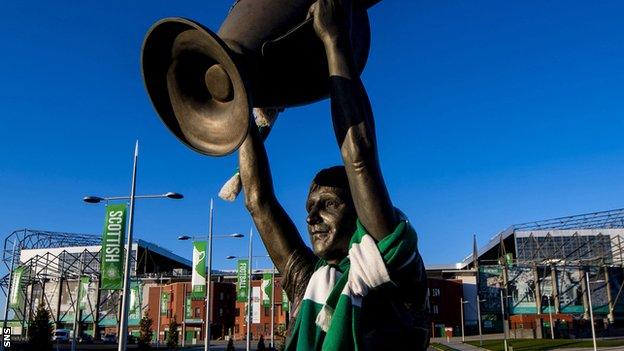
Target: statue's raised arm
[(278, 232), (353, 120)]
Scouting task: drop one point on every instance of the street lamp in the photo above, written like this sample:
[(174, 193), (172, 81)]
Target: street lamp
[(250, 256), (479, 300), (503, 319), (591, 310), (209, 275), (97, 199), (123, 322), (552, 328), (272, 295), (461, 308)]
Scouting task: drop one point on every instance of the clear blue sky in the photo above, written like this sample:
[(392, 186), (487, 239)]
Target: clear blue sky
[(488, 113)]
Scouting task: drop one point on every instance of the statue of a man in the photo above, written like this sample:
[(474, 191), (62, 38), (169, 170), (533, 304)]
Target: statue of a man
[(363, 284)]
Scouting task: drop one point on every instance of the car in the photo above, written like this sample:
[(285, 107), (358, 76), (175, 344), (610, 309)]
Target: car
[(61, 335), (85, 339), (109, 339)]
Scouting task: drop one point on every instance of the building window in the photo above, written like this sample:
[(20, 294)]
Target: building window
[(221, 296), (197, 312), (267, 311), (434, 309), (220, 312), (435, 292), (237, 312)]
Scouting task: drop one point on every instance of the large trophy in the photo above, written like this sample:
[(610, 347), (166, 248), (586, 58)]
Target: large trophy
[(266, 54)]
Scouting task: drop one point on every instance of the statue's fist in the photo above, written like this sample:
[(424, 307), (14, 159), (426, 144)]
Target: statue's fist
[(332, 19)]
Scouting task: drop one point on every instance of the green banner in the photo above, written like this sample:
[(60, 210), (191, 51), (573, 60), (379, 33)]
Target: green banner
[(188, 308), (83, 292), (15, 298), (266, 289), (242, 273), (285, 304), (135, 298), (198, 279), (164, 303), (111, 254), (509, 259)]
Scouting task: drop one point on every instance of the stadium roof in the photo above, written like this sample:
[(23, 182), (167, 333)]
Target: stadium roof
[(610, 219), (29, 239)]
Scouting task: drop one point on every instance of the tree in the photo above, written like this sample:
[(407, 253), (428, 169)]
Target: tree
[(40, 330), (230, 345), (172, 337), (146, 334), (261, 346)]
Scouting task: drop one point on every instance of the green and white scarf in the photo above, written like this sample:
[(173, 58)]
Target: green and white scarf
[(329, 315)]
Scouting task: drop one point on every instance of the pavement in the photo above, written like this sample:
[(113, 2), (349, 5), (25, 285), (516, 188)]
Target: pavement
[(457, 344)]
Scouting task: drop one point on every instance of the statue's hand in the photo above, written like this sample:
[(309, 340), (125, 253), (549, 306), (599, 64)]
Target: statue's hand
[(332, 19)]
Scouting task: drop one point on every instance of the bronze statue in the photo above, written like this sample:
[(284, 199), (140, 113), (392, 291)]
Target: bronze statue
[(363, 284)]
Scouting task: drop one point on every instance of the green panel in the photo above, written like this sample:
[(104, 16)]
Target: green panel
[(112, 252), (242, 273), (198, 279)]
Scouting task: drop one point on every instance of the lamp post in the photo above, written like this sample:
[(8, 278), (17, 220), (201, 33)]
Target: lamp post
[(249, 260), (272, 296), (123, 322), (591, 311), (77, 307), (159, 312), (479, 319), (503, 320), (209, 273), (461, 309), (552, 329)]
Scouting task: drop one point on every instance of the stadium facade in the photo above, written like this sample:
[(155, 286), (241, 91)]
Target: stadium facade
[(545, 268), (49, 267)]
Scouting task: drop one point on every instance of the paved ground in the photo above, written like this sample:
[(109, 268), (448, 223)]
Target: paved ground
[(457, 344), (214, 346)]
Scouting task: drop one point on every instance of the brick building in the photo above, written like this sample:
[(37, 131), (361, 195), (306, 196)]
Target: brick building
[(172, 300), (444, 301), (264, 325)]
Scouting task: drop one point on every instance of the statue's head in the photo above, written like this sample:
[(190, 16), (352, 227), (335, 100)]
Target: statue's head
[(331, 214)]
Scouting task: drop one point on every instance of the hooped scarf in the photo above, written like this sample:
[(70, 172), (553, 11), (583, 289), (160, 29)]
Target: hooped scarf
[(328, 318)]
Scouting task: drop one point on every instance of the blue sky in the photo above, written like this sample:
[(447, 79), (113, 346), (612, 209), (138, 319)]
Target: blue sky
[(488, 113)]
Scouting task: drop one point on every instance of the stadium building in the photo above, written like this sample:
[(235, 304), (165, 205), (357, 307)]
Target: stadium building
[(49, 267), (542, 270)]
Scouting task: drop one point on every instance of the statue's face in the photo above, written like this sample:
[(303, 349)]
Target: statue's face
[(331, 222)]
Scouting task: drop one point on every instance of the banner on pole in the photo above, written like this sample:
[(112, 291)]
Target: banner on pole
[(135, 297), (188, 309), (83, 292), (285, 304), (111, 254), (266, 289), (255, 305), (164, 303), (242, 273), (15, 298), (198, 279)]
